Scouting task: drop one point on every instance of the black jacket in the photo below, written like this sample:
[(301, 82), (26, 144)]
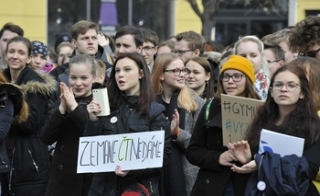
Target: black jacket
[(130, 121), (205, 148), (66, 131), (29, 156)]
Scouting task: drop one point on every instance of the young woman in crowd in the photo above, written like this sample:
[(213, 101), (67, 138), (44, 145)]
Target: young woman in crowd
[(206, 148), (199, 77), (132, 105), (12, 107), (182, 109), (311, 68), (66, 124), (289, 109), (251, 48), (29, 157)]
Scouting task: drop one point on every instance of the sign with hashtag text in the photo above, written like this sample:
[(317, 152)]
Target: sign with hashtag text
[(237, 114)]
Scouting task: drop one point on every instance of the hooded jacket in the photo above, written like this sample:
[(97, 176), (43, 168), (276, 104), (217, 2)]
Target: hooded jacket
[(283, 176), (28, 155), (12, 105)]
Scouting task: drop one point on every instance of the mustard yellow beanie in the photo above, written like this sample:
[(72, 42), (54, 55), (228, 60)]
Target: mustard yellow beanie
[(241, 64)]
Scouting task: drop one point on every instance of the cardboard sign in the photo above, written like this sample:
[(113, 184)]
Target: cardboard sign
[(130, 151), (237, 114)]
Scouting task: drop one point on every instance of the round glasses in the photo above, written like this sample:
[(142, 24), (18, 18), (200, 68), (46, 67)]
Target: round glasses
[(291, 86), (235, 77), (176, 72)]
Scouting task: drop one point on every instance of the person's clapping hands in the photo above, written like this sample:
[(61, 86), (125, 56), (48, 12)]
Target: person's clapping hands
[(67, 100), (241, 151)]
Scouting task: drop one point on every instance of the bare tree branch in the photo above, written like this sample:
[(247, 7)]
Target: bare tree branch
[(195, 8)]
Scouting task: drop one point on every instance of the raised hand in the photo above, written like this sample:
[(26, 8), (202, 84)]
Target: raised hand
[(174, 127), (63, 105), (68, 96)]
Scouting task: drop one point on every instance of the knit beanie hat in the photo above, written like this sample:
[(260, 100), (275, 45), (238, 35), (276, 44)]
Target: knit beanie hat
[(241, 64), (39, 48), (62, 37)]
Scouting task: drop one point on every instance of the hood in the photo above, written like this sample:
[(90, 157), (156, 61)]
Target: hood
[(46, 88), (213, 56), (16, 96)]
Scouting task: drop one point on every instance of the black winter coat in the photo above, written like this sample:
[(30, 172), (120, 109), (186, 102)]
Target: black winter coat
[(66, 131), (29, 157), (204, 150), (130, 121)]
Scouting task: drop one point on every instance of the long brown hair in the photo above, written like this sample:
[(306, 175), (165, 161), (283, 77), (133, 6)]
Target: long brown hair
[(302, 122), (311, 68)]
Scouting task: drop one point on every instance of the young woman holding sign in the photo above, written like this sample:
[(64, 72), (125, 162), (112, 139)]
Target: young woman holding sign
[(289, 109), (206, 148), (66, 124), (132, 110)]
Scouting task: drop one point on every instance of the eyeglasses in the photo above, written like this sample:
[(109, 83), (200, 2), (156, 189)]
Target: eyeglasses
[(235, 77), (176, 72), (180, 52), (291, 86), (313, 53), (148, 48)]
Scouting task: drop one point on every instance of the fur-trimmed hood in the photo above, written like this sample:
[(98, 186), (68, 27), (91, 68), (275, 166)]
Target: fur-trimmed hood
[(45, 88), (213, 56), (31, 81), (14, 93)]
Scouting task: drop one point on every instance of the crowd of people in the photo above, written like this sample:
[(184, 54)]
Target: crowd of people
[(46, 105)]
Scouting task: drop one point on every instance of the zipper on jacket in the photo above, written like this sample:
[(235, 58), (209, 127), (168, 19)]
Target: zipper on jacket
[(151, 188), (10, 180), (34, 163)]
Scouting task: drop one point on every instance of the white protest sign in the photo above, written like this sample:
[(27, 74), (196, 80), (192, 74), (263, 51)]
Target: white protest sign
[(237, 114), (130, 151)]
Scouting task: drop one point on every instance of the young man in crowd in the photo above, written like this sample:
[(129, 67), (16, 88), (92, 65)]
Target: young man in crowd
[(8, 31), (84, 40), (305, 37), (275, 57), (149, 47), (189, 44), (281, 38), (128, 39)]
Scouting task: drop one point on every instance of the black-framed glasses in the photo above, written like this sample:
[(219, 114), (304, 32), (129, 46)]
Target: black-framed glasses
[(176, 72), (313, 53), (235, 77), (180, 52), (148, 48), (291, 86)]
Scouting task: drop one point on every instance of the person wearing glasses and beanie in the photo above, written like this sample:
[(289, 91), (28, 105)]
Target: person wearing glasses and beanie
[(183, 106), (206, 148)]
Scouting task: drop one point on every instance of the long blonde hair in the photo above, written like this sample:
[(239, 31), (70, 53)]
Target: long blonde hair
[(186, 97)]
